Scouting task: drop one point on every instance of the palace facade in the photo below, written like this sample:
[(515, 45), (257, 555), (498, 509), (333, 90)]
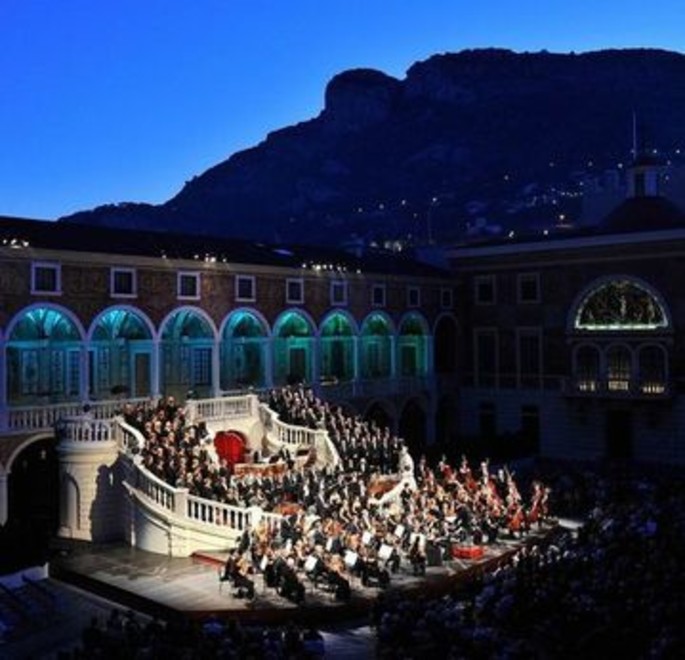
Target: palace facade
[(576, 339)]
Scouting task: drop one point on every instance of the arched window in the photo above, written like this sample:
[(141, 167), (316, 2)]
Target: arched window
[(337, 348), (244, 343), (187, 340), (619, 368), (413, 345), (43, 356), (120, 356), (620, 305), (625, 307), (293, 359), (587, 369), (377, 347)]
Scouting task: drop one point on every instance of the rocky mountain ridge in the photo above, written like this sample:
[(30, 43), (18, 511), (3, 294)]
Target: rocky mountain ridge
[(465, 140)]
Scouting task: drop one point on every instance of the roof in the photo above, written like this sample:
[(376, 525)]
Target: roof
[(643, 214), (70, 236)]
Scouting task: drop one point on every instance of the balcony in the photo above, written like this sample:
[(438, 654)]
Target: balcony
[(616, 388)]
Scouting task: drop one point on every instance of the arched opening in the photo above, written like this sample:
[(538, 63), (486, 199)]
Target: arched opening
[(187, 342), (33, 510), (43, 357), (244, 343), (587, 367), (380, 415), (413, 346), (337, 348), (619, 368), (120, 355), (412, 427), (293, 360), (376, 347)]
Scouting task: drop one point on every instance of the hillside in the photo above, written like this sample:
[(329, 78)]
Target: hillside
[(475, 136)]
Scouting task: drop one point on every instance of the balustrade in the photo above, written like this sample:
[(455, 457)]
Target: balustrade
[(82, 430), (223, 408)]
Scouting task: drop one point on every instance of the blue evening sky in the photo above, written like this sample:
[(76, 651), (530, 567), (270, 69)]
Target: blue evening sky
[(123, 100)]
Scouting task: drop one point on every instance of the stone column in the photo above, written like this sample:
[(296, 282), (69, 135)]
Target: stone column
[(393, 357), (268, 354), (216, 369), (84, 372), (155, 367)]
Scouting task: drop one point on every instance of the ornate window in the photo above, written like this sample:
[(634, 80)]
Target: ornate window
[(587, 369), (619, 369), (622, 305)]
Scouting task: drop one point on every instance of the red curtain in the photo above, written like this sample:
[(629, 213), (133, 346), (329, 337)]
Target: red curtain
[(230, 445)]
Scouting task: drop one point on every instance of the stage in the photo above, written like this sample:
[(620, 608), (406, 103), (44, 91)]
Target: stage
[(170, 587)]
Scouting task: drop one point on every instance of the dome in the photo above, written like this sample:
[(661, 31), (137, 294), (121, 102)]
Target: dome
[(644, 214)]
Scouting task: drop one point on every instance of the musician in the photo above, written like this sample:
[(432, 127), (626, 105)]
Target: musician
[(241, 581), (417, 555), (230, 567)]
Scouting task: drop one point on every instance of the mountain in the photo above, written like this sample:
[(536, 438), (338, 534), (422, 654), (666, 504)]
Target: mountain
[(465, 140)]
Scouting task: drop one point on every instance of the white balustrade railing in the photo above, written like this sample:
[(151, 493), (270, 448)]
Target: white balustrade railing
[(83, 429), (199, 509), (130, 439), (24, 419), (288, 434), (298, 437), (160, 492), (223, 408), (40, 418), (179, 501)]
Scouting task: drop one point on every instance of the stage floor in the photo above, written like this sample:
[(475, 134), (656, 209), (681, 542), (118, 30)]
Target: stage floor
[(163, 586)]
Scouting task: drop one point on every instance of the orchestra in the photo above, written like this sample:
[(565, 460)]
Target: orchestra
[(360, 519)]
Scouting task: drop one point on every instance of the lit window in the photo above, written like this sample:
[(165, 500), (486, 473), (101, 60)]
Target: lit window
[(378, 295), (122, 282), (413, 296), (528, 288), (620, 305), (485, 293), (46, 278), (294, 292), (339, 293), (188, 286), (619, 369), (587, 369), (245, 288)]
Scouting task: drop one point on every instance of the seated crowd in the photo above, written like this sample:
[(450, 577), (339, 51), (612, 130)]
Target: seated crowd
[(127, 635), (352, 519)]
